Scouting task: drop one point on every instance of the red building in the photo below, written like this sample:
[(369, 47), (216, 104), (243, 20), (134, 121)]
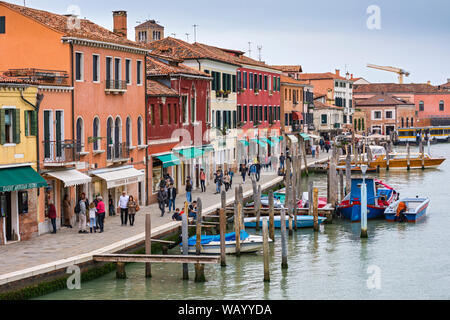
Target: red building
[(178, 101)]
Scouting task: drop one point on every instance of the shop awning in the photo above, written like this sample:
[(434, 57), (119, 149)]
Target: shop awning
[(277, 139), (293, 138), (20, 178), (270, 143), (297, 115), (314, 136), (70, 177), (169, 160), (244, 142), (262, 144), (305, 136), (191, 153), (121, 177), (208, 148)]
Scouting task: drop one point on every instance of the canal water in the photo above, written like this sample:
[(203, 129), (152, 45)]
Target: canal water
[(397, 261)]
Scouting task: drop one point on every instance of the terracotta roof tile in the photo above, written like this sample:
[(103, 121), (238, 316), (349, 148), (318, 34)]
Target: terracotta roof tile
[(6, 79), (288, 68), (320, 76), (149, 23), (379, 100), (88, 30), (157, 67), (285, 79), (155, 88), (321, 105), (393, 88)]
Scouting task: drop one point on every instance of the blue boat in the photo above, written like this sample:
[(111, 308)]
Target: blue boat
[(416, 209), (302, 222), (379, 197)]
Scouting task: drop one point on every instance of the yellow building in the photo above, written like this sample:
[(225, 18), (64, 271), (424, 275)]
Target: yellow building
[(19, 181)]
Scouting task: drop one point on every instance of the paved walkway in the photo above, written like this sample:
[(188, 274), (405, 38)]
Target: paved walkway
[(67, 243)]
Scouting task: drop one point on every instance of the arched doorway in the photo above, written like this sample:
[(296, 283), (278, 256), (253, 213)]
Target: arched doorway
[(117, 139)]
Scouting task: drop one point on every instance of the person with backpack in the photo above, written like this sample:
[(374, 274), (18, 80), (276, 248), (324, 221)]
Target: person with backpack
[(172, 196), (162, 197), (189, 189), (81, 210)]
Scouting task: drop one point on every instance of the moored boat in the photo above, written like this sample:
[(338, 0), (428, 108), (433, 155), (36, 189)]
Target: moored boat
[(302, 222), (416, 209)]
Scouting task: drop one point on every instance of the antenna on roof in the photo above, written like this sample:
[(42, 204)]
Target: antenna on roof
[(195, 32), (249, 49), (259, 49), (174, 35), (187, 36)]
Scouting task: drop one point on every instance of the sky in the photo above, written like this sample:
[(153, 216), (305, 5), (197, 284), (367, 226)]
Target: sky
[(319, 35)]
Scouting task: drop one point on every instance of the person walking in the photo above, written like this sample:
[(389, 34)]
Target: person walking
[(243, 170), (321, 144), (202, 180), (112, 209), (92, 217), (252, 171), (327, 146), (83, 206), (132, 209), (67, 213), (189, 189), (226, 181), (123, 205), (162, 197), (101, 213), (172, 196), (52, 214), (231, 174), (218, 180), (258, 171), (313, 151), (282, 160)]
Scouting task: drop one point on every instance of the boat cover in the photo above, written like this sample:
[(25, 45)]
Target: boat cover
[(207, 239)]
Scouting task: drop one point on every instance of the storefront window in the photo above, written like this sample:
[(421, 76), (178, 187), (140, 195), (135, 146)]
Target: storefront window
[(23, 202), (49, 195), (157, 173)]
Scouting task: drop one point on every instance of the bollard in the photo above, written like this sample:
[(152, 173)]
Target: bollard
[(185, 239), (284, 264), (316, 209), (266, 251), (223, 225), (120, 272), (241, 201), (348, 174), (223, 199), (422, 157), (271, 217), (310, 197), (148, 243), (341, 185)]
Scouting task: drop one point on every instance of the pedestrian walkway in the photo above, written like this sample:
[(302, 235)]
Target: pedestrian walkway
[(48, 249)]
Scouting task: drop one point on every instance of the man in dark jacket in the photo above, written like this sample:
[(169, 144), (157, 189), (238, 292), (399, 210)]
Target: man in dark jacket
[(172, 195), (162, 198)]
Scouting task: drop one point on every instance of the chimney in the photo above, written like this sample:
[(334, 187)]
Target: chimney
[(120, 23), (429, 82), (338, 72), (351, 76)]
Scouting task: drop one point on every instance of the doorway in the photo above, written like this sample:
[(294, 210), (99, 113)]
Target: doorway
[(5, 213), (63, 192)]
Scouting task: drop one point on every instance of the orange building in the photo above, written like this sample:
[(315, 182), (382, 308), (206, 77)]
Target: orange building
[(91, 121), (292, 107)]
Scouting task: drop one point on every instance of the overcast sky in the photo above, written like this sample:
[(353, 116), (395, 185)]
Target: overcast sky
[(320, 35)]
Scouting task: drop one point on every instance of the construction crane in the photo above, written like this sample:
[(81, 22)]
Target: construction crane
[(401, 73)]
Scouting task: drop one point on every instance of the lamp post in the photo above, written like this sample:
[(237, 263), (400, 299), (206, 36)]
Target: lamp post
[(364, 203)]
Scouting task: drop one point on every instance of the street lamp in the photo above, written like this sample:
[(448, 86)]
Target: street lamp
[(364, 203)]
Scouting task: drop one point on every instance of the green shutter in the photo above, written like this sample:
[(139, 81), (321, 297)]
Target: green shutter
[(33, 123), (2, 126), (16, 125), (26, 116)]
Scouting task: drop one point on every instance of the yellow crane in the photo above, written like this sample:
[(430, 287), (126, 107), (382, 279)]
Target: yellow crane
[(401, 73)]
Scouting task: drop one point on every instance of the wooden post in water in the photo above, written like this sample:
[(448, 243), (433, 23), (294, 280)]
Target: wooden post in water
[(271, 217), (310, 197), (241, 201), (148, 243), (341, 185), (257, 201), (290, 224), (294, 191), (408, 156), (223, 225), (316, 209), (223, 199), (199, 268), (303, 147), (333, 179), (348, 174), (422, 156), (284, 264), (185, 239), (266, 251), (299, 178), (120, 272), (388, 151), (237, 229)]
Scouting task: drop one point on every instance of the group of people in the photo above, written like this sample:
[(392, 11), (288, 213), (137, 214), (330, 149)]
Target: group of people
[(167, 193), (192, 212), (221, 178), (253, 170)]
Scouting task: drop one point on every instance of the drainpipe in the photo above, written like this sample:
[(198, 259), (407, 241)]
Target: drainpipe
[(73, 99), (147, 202)]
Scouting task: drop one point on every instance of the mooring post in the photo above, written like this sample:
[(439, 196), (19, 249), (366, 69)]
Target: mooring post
[(348, 174), (364, 208), (316, 209), (148, 243), (185, 239), (290, 224), (271, 217), (302, 142), (258, 206), (223, 199), (199, 267), (266, 251), (341, 185), (408, 156), (120, 272), (294, 192), (284, 264), (241, 201), (422, 157), (310, 197), (237, 229), (388, 151), (223, 225)]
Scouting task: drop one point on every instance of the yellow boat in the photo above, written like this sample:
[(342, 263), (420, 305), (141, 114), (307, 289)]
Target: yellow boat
[(400, 161)]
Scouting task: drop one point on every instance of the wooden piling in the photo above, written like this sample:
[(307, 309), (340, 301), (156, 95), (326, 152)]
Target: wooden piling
[(258, 207), (185, 239), (120, 271), (341, 185), (266, 251), (237, 228), (199, 267), (316, 209), (223, 225), (223, 199), (422, 157), (310, 197), (388, 151), (408, 156), (303, 147), (271, 217), (148, 243), (290, 225), (241, 201), (284, 264), (348, 174)]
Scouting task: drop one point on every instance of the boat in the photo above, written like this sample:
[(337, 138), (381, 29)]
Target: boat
[(302, 221), (211, 244), (416, 209), (279, 198), (400, 161), (350, 207), (356, 168)]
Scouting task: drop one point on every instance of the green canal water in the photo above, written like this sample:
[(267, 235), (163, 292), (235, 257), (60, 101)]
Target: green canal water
[(412, 260)]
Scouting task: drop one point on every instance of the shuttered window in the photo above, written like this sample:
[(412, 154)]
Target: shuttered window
[(2, 25), (251, 113), (245, 80), (234, 119), (30, 123), (265, 83), (245, 114), (234, 83)]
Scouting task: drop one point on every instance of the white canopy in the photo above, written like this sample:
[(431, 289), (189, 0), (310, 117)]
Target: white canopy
[(377, 136), (313, 136), (121, 177), (292, 138), (70, 177)]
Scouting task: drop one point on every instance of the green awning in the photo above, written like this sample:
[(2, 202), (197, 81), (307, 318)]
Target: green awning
[(20, 178), (270, 143), (276, 139), (191, 153), (244, 142), (262, 144), (304, 136), (169, 160)]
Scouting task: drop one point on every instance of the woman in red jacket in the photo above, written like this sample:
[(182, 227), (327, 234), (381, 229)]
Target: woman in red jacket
[(100, 213), (52, 214)]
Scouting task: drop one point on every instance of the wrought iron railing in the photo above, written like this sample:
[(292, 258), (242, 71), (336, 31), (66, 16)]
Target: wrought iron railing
[(62, 151), (116, 85), (118, 151)]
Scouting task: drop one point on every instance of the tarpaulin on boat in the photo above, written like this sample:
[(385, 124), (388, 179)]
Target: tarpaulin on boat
[(207, 239)]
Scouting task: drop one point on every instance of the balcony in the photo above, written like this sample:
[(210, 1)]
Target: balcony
[(118, 152), (62, 153), (115, 86)]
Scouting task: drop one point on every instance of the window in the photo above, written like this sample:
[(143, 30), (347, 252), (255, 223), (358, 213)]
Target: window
[(388, 114), (117, 69), (239, 114), (255, 82), (245, 80), (403, 122), (234, 83), (324, 119), (184, 109), (139, 132), (2, 25), (270, 115), (234, 119), (152, 114), (260, 118), (193, 106), (80, 134), (128, 71), (207, 109), (139, 72), (245, 113), (216, 80), (218, 119), (96, 68), (286, 119), (9, 126), (377, 114), (161, 111), (128, 132), (79, 66), (96, 132), (250, 80), (260, 82), (265, 113), (290, 95), (22, 202), (265, 83), (251, 113), (421, 106), (239, 80), (169, 113), (336, 84), (30, 123), (175, 113), (108, 68), (441, 105)]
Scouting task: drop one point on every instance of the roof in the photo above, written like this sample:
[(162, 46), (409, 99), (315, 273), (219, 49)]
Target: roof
[(446, 85), (289, 68), (379, 100), (155, 88), (393, 88), (157, 67), (14, 80), (320, 76), (149, 23), (321, 105), (88, 30), (289, 80)]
